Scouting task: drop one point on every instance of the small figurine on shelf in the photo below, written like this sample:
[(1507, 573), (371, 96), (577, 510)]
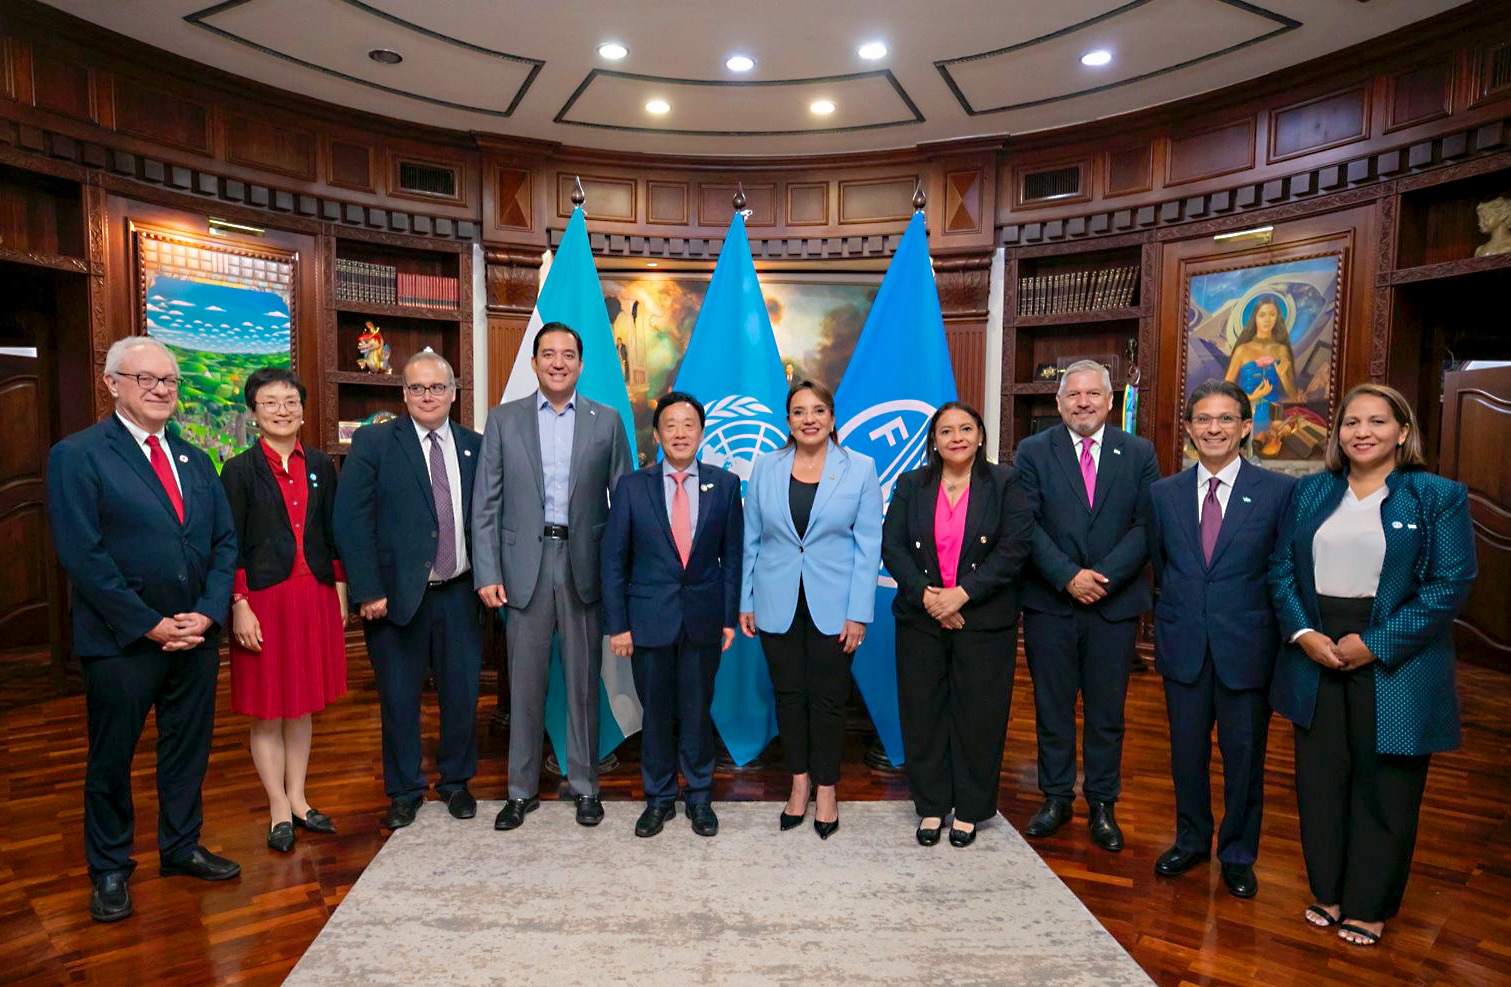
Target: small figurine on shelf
[(1495, 219), (372, 352)]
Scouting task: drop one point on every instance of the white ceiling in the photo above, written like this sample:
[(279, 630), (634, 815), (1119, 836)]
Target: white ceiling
[(956, 68)]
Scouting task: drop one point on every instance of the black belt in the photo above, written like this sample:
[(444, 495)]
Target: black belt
[(556, 531), (438, 583)]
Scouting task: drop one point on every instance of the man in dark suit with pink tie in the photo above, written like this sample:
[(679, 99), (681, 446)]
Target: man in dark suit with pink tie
[(143, 529)]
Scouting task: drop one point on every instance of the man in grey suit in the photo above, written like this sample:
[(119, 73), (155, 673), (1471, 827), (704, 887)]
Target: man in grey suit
[(538, 510)]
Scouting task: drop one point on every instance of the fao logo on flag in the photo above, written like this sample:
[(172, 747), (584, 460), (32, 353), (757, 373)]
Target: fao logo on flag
[(895, 435), (738, 430)]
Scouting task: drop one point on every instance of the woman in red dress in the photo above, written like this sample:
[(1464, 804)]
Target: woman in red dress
[(288, 646)]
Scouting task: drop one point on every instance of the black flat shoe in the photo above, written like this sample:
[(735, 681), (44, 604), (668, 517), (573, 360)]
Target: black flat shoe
[(1105, 832), (1176, 861), (461, 804), (401, 813), (281, 837), (512, 815), (929, 836), (110, 901), (589, 810), (203, 864), (315, 821), (961, 838), (825, 829), (705, 822), (653, 818), (1053, 814)]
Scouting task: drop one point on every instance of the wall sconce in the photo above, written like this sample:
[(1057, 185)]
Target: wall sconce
[(223, 226), (1259, 234)]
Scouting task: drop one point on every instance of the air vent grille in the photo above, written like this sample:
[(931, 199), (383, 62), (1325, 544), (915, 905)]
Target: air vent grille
[(427, 179), (1056, 183)]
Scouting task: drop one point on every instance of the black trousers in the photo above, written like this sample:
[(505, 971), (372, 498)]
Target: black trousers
[(1080, 652), (955, 691), (810, 675), (1242, 717), (443, 639), (676, 688), (119, 691), (1358, 807)]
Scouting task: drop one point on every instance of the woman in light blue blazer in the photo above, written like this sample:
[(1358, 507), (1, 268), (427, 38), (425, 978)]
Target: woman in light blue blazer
[(812, 550)]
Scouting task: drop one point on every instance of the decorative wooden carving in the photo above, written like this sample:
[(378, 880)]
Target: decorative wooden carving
[(1379, 334), (962, 201), (513, 203), (512, 281), (964, 285)]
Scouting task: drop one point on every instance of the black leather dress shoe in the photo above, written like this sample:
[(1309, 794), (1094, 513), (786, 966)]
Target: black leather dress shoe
[(203, 864), (929, 835), (1176, 861), (512, 815), (961, 837), (1104, 827), (111, 899), (281, 837), (315, 821), (1053, 814), (653, 818), (1240, 880), (400, 813), (589, 810), (705, 823), (461, 804)]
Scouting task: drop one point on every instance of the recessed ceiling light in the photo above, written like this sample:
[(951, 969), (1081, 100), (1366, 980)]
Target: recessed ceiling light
[(658, 107), (822, 107), (740, 63), (613, 50), (872, 50), (1096, 57), (385, 55)]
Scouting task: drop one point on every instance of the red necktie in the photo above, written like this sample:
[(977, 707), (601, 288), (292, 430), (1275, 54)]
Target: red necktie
[(682, 518), (164, 473)]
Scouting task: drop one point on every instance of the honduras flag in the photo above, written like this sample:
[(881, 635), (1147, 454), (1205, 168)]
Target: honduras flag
[(733, 367), (572, 295), (898, 376)]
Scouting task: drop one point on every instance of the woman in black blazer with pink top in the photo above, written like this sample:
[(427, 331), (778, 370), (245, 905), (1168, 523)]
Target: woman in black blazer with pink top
[(956, 536)]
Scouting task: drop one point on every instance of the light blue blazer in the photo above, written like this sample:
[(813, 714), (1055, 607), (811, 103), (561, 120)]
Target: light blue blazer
[(837, 559)]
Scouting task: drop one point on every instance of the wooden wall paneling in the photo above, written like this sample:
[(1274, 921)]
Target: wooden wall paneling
[(145, 110), (1209, 153), (876, 200), (1319, 123), (350, 165), (260, 142), (608, 198), (666, 203), (1488, 71), (18, 73), (716, 203), (512, 282), (61, 80), (513, 201), (505, 335), (807, 203), (1420, 94), (963, 201), (1128, 170)]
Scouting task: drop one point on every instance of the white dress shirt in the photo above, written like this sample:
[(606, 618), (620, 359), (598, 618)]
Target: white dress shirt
[(1096, 445), (453, 481), (140, 435), (1226, 476)]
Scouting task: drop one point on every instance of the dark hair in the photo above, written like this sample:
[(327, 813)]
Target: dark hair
[(555, 327), (1410, 454), (675, 397), (263, 376), (1280, 334), (825, 396), (1211, 388), (935, 465)]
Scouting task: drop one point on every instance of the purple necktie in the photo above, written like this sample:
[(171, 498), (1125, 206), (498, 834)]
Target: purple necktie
[(444, 566), (1088, 471), (1211, 519)]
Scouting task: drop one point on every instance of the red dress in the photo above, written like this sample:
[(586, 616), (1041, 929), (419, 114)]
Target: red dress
[(302, 665)]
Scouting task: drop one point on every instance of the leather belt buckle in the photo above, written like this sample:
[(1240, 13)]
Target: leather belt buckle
[(556, 531)]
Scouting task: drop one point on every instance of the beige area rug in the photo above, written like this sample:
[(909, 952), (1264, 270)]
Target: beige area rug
[(555, 903)]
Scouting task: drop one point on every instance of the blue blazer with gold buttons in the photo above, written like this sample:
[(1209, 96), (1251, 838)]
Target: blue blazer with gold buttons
[(1428, 570)]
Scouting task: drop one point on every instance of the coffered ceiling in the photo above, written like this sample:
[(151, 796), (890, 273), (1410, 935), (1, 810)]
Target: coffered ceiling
[(952, 68)]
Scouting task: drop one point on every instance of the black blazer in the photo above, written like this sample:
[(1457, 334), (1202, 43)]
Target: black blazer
[(999, 528), (263, 533), (1110, 535)]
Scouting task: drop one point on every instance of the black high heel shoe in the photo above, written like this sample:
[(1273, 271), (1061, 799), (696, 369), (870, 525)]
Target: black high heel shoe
[(825, 829), (793, 822)]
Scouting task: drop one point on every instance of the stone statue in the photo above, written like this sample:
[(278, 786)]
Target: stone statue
[(1495, 218)]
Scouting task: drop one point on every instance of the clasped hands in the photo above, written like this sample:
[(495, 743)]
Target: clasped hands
[(1346, 654), (1087, 587), (181, 631), (623, 645), (944, 605)]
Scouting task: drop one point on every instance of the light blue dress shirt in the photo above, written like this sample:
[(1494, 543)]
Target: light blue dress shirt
[(690, 484), (556, 431)]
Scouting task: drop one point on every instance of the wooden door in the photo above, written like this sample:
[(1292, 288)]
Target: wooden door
[(30, 588), (1476, 435)]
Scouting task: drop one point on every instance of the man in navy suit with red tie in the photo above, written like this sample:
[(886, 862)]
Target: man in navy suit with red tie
[(1215, 634), (671, 594), (143, 529)]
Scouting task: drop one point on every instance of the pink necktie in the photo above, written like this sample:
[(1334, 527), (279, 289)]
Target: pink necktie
[(682, 523), (1088, 471), (164, 471)]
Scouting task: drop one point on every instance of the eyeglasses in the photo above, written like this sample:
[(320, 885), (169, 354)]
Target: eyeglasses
[(418, 390), (1226, 421), (290, 404), (149, 381)]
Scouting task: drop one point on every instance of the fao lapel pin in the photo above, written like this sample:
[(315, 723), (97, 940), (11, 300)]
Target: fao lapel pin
[(314, 480), (1397, 524), (705, 487), (466, 452), (182, 458)]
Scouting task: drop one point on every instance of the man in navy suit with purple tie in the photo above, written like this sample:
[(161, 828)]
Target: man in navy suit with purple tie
[(1215, 634), (671, 593)]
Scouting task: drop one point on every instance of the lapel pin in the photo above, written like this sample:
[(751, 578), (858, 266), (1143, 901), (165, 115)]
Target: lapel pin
[(918, 544), (1411, 526), (705, 487), (1247, 501), (182, 458), (466, 452), (1117, 452), (1396, 524), (983, 539)]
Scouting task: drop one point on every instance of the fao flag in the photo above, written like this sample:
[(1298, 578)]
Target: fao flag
[(899, 374)]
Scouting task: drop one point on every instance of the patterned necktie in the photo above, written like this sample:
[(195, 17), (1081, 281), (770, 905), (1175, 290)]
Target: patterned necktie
[(440, 489), (164, 471), (1088, 471), (682, 518), (1211, 519)]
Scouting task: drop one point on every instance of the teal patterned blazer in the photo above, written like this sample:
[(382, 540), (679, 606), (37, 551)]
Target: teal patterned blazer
[(1429, 568)]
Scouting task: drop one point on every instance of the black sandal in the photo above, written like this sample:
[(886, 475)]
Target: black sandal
[(1328, 921), (1370, 938)]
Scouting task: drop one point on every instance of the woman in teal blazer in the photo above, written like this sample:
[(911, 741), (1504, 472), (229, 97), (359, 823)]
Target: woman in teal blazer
[(812, 551), (1368, 575)]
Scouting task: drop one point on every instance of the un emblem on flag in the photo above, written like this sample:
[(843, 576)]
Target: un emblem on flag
[(895, 435), (738, 430)]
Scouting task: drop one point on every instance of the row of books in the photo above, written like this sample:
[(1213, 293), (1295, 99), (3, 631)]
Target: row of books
[(384, 284), (1077, 291)]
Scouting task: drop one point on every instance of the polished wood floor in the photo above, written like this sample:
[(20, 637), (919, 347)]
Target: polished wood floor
[(1454, 931)]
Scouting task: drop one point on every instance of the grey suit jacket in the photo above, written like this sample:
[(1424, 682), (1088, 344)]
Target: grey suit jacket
[(509, 500)]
